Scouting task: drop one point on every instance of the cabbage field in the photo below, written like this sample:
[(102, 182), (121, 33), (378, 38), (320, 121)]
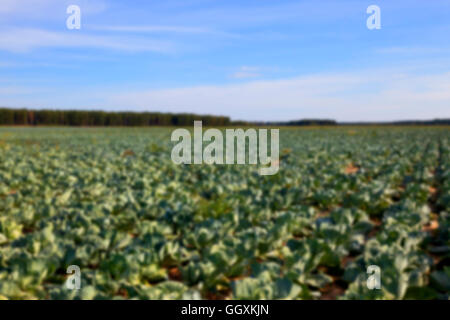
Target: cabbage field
[(111, 201)]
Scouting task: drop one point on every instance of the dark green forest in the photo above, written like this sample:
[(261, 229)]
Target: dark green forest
[(102, 118), (28, 117)]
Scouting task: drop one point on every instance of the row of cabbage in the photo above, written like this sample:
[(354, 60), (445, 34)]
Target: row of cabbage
[(112, 202)]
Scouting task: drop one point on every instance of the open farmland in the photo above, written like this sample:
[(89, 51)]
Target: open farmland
[(111, 201)]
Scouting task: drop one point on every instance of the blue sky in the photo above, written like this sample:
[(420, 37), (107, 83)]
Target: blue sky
[(250, 60)]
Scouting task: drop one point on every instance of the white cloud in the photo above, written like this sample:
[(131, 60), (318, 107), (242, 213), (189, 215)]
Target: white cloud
[(373, 95), (412, 50), (37, 9), (20, 90), (164, 29), (27, 39), (246, 72), (151, 29)]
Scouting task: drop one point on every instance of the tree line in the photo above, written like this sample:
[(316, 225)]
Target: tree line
[(435, 122), (302, 122), (106, 118), (102, 118)]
